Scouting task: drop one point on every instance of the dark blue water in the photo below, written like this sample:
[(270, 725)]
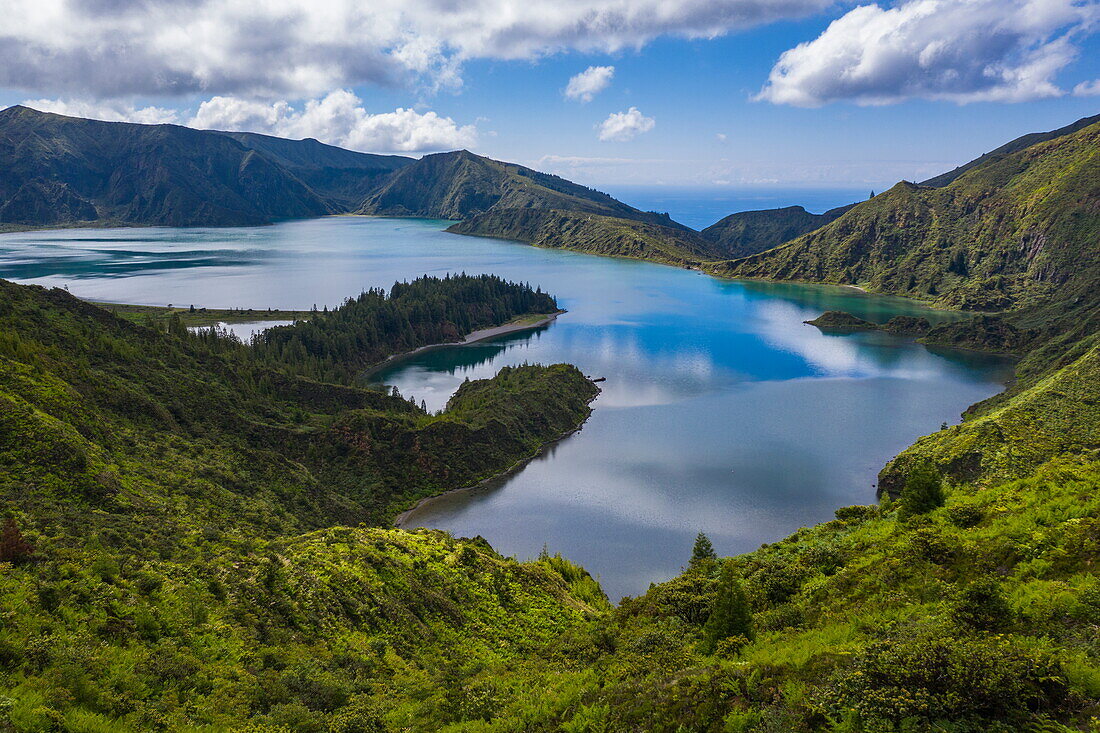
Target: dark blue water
[(722, 412), (699, 207)]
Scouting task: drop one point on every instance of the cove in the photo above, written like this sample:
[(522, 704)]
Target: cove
[(722, 412)]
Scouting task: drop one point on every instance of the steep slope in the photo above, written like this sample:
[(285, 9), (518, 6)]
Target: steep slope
[(748, 232), (63, 170), (342, 177), (1024, 141), (1015, 232), (460, 184), (591, 233)]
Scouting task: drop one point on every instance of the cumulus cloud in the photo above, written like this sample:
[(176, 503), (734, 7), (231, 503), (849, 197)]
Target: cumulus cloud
[(1087, 89), (338, 119), (118, 112), (302, 48), (623, 126), (957, 50), (589, 83)]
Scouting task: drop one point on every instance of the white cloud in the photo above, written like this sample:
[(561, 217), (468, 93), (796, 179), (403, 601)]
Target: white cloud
[(118, 112), (300, 48), (1087, 89), (957, 50), (589, 83), (623, 126), (720, 137), (338, 119)]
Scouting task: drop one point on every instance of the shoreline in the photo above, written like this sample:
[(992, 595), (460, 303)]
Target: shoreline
[(482, 334), (400, 519)]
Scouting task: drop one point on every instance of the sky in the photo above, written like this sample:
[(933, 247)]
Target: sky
[(692, 93)]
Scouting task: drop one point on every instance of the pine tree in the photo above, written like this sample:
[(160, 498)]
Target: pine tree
[(702, 552), (730, 614), (923, 491)]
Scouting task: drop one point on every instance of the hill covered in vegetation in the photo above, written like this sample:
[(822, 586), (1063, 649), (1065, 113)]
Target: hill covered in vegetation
[(63, 170), (591, 233), (1013, 232), (748, 232)]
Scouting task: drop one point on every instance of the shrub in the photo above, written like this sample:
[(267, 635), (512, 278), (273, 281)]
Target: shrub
[(965, 516), (778, 579), (982, 605), (923, 491), (857, 513), (940, 677)]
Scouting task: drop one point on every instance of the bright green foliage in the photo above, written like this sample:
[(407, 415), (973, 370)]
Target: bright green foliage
[(923, 491), (729, 614), (702, 551), (1043, 416)]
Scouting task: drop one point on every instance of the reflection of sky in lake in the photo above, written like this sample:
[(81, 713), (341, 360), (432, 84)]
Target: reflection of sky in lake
[(722, 411)]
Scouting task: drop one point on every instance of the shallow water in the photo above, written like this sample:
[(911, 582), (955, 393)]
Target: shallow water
[(722, 412)]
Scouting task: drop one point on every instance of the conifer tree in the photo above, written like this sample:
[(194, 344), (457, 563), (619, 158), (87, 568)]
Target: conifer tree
[(702, 552), (730, 615)]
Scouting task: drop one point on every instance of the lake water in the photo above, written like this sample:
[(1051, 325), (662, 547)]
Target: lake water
[(722, 412)]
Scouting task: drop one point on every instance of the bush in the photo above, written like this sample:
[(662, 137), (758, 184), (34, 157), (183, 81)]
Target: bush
[(982, 605), (940, 677), (965, 516), (857, 513), (923, 491)]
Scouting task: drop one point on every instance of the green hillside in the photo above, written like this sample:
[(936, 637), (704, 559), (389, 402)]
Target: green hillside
[(1024, 141), (591, 233), (1012, 233), (460, 184), (748, 232), (63, 171), (342, 177)]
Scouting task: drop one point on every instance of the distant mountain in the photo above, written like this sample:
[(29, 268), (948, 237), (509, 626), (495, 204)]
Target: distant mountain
[(748, 232), (1024, 141), (64, 170), (343, 177), (1016, 230), (491, 198), (460, 184)]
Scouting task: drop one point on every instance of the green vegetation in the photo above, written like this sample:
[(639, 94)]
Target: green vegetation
[(748, 232), (459, 184), (1016, 231), (591, 233), (841, 321), (170, 556), (186, 539)]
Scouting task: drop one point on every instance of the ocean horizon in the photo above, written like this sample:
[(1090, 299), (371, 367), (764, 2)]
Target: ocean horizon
[(701, 206)]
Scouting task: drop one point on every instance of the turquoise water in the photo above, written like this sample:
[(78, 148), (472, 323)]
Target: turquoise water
[(722, 412)]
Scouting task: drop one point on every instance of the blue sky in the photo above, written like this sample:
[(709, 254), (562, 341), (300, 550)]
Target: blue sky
[(876, 93)]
